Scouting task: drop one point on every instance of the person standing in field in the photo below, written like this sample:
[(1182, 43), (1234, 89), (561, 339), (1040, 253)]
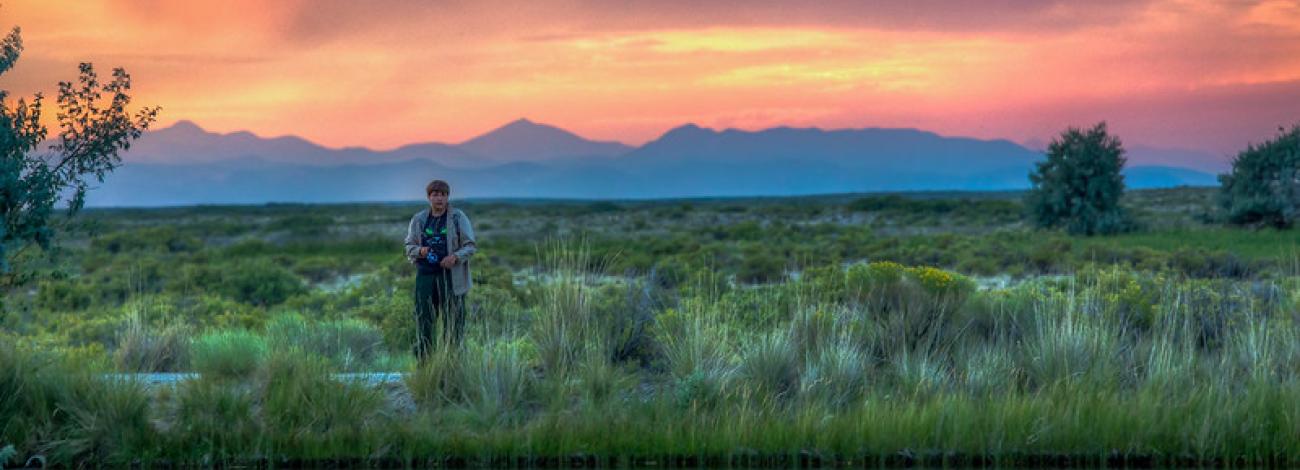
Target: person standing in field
[(440, 242)]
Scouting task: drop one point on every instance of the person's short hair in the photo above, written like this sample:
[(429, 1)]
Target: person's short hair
[(437, 185)]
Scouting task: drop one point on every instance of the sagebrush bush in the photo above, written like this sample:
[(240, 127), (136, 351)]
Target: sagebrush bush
[(907, 308)]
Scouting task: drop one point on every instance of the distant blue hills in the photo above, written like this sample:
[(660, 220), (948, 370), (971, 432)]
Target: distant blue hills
[(184, 164)]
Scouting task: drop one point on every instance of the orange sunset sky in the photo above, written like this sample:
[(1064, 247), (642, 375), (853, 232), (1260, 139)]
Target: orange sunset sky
[(1203, 75)]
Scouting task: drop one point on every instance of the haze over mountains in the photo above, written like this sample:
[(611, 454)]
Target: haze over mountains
[(184, 164)]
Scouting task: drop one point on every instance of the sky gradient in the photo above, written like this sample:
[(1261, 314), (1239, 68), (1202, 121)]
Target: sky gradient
[(1209, 76)]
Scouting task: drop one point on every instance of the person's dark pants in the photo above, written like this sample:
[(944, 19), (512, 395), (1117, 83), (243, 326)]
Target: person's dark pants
[(435, 300)]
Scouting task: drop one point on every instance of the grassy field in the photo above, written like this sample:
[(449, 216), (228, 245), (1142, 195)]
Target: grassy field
[(926, 328)]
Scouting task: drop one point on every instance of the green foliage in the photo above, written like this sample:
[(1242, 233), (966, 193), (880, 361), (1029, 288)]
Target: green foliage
[(1079, 185), (940, 207), (228, 354), (91, 133), (653, 342), (1263, 187), (257, 281)]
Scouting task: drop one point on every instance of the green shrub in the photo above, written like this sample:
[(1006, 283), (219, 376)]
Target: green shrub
[(256, 282), (1079, 186), (64, 295), (760, 263), (1263, 187), (164, 239), (904, 308), (228, 354)]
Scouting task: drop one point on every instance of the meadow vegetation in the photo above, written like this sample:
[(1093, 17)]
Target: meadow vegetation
[(878, 329)]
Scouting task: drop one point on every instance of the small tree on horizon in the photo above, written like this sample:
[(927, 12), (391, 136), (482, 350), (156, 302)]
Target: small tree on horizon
[(1263, 187), (1080, 184), (92, 130)]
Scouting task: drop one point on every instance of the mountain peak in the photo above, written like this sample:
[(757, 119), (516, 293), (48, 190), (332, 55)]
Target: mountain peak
[(527, 140), (688, 130), (185, 125)]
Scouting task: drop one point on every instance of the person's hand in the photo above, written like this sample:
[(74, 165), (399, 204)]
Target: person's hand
[(424, 251), (448, 261)]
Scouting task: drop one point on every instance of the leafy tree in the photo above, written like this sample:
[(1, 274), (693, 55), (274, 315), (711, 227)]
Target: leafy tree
[(1079, 185), (94, 125), (1264, 185)]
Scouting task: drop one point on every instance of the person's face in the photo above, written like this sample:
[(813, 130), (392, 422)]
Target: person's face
[(438, 200)]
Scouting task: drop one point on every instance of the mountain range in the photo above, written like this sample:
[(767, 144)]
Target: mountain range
[(185, 164)]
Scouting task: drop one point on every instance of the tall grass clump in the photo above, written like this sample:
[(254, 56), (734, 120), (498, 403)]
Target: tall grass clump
[(142, 348), (31, 383), (990, 369), (693, 341), (228, 354), (913, 310), (563, 326), (69, 413), (213, 421), (771, 366), (309, 414), (348, 344), (697, 343), (838, 375), (497, 380), (107, 421), (577, 314), (1066, 344), (439, 380)]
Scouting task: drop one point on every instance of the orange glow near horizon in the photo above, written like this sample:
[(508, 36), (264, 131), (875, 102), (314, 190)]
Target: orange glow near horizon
[(1175, 73)]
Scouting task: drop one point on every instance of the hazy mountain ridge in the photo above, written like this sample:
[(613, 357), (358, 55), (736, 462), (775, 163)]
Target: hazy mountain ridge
[(183, 164)]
